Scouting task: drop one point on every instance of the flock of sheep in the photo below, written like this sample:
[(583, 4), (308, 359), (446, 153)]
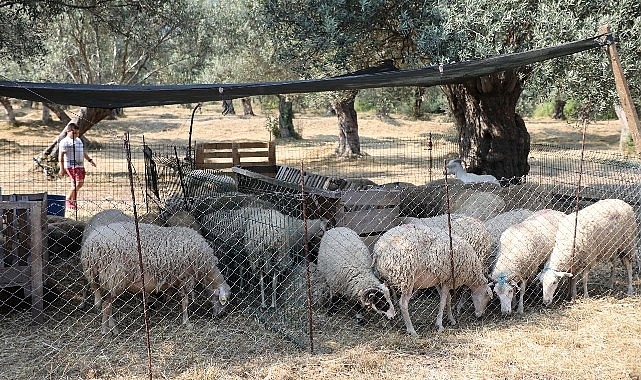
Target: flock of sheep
[(498, 255)]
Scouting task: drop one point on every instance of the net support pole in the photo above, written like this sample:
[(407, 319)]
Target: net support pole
[(624, 91)]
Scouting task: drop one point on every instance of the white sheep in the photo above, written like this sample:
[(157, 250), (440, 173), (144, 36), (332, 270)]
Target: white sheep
[(172, 257), (499, 223), (469, 228), (345, 263), (605, 230), (523, 248), (455, 167), (271, 239), (99, 219), (411, 257)]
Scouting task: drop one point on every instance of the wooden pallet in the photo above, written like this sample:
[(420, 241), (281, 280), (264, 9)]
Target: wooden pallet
[(224, 155)]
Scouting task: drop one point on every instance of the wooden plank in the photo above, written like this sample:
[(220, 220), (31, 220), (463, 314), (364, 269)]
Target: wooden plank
[(370, 241), (228, 154), (624, 91), (36, 263)]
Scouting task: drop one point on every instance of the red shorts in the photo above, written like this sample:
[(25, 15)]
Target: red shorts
[(76, 173)]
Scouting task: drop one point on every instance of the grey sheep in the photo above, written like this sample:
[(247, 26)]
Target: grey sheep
[(605, 230), (172, 257), (411, 257), (271, 239), (523, 248), (345, 263)]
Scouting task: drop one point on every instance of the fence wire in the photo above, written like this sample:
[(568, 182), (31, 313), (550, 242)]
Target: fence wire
[(238, 262)]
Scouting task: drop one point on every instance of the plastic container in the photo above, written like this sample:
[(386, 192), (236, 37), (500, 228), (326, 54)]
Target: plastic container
[(56, 204)]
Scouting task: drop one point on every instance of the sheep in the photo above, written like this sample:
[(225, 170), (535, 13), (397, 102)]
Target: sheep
[(471, 229), (410, 257), (172, 257), (455, 167), (499, 223), (98, 220), (523, 248), (605, 230), (271, 239), (345, 263)]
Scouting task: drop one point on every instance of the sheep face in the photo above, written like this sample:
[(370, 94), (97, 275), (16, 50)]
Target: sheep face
[(505, 291), (454, 166), (378, 298), (481, 296), (219, 298), (550, 281)]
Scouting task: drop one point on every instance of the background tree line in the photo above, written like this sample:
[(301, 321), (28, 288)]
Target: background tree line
[(207, 41)]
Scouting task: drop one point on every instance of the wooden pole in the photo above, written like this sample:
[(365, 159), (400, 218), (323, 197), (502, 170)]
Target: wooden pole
[(624, 91)]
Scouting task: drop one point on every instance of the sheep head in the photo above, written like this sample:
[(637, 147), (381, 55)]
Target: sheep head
[(504, 289), (481, 296), (378, 298), (550, 281), (455, 166)]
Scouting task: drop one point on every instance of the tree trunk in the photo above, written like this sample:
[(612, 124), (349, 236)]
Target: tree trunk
[(59, 111), (349, 144), (10, 113), (286, 119), (558, 110), (626, 145), (418, 102), (493, 138), (228, 108), (247, 107), (46, 114), (85, 118)]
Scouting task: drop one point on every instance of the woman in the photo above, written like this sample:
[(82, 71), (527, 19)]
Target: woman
[(71, 157)]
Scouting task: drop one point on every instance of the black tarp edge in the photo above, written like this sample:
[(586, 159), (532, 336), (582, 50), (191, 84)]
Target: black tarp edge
[(116, 96)]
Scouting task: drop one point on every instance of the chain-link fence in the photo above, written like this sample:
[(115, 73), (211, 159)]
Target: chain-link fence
[(311, 253)]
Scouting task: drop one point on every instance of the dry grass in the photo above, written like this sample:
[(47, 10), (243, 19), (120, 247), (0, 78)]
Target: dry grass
[(595, 338)]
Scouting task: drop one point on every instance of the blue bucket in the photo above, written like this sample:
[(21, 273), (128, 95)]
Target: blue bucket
[(56, 204)]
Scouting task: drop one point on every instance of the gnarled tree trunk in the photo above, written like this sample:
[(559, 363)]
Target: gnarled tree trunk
[(286, 119), (418, 102), (493, 138), (349, 144), (6, 103), (247, 107)]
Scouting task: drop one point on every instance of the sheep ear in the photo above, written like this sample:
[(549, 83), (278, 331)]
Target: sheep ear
[(563, 274), (489, 291), (515, 285), (538, 276)]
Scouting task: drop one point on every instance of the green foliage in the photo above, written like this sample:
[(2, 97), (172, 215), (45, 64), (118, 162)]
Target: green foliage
[(544, 110)]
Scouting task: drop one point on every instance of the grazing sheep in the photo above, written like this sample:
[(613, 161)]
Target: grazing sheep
[(605, 230), (471, 229), (271, 240), (523, 248), (499, 223), (172, 257), (345, 263), (455, 167), (411, 257)]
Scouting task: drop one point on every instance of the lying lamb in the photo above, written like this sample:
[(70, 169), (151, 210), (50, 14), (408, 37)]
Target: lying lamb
[(605, 230), (455, 167), (411, 257), (345, 263), (523, 248), (172, 257)]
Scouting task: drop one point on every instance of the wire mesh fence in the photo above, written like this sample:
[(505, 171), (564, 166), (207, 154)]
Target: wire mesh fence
[(308, 252)]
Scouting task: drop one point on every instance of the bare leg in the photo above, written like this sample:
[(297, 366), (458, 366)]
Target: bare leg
[(450, 317), (572, 288), (404, 305), (185, 304)]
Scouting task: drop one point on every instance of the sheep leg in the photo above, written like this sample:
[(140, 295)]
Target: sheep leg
[(274, 283), (450, 317), (464, 297), (108, 323), (404, 305), (628, 267), (521, 296), (441, 307), (585, 283), (184, 291), (261, 282), (612, 269), (572, 288)]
